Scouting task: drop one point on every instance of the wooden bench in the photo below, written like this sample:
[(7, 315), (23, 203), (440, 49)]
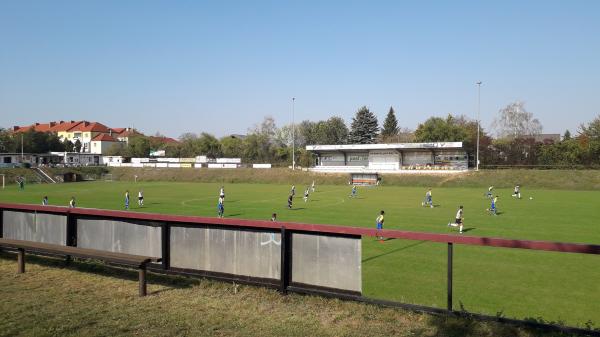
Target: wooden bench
[(137, 261)]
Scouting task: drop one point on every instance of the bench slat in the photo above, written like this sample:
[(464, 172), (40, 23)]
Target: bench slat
[(79, 252)]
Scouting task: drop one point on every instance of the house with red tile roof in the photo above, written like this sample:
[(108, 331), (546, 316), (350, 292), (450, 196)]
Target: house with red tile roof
[(103, 142), (83, 131)]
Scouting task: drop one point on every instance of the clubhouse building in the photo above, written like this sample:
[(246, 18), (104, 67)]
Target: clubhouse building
[(443, 157)]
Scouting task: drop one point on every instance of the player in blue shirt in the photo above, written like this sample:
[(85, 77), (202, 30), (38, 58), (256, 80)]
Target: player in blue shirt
[(353, 193), (379, 223), (126, 199), (221, 207), (492, 208)]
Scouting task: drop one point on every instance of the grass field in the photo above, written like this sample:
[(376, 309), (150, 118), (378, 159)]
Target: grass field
[(510, 282)]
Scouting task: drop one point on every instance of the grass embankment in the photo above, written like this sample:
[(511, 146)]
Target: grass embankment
[(539, 179), (88, 299)]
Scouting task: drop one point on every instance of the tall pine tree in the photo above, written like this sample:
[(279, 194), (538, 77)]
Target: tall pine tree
[(364, 127), (390, 125)]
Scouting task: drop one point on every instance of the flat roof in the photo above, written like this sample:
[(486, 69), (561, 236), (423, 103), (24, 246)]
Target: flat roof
[(392, 146)]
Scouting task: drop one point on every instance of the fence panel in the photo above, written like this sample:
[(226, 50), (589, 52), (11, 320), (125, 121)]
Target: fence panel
[(131, 237), (35, 226), (327, 261), (241, 252)]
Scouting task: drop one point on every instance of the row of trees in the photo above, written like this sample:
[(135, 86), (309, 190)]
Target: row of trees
[(514, 141), (34, 142)]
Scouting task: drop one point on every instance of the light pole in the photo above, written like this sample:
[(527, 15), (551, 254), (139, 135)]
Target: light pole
[(478, 112), (293, 136)]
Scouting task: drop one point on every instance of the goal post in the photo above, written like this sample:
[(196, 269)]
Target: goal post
[(107, 177)]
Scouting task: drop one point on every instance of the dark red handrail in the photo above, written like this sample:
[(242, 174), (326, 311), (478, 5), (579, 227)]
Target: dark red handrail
[(331, 229)]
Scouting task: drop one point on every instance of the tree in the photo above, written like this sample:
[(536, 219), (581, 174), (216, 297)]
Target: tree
[(514, 121), (364, 128), (77, 146), (437, 129), (592, 130), (567, 135), (232, 147), (209, 145), (8, 142), (139, 146), (337, 131), (390, 125)]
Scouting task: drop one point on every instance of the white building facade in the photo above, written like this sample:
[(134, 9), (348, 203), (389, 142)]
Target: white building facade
[(390, 158)]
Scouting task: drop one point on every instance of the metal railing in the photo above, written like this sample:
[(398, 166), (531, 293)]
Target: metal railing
[(286, 229)]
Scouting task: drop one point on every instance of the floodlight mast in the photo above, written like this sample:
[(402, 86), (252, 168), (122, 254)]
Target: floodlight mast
[(293, 136), (478, 112)]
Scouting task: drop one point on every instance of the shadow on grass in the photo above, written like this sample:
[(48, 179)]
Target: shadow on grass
[(469, 229), (101, 269), (392, 251)]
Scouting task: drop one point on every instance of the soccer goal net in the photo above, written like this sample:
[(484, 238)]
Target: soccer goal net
[(107, 177)]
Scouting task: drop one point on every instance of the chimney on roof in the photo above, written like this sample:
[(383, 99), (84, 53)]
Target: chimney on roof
[(72, 121), (86, 123), (52, 124), (15, 128), (61, 122), (36, 124)]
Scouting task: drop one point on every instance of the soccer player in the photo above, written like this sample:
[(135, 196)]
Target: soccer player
[(517, 192), (274, 217), (489, 192), (458, 221), (45, 201), (141, 198), (379, 222), (221, 207), (353, 193), (127, 199), (290, 201), (293, 190), (72, 202), (313, 186), (306, 195), (222, 192), (428, 199), (492, 208)]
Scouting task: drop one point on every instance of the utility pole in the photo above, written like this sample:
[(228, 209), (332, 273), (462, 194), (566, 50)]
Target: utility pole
[(21, 148), (478, 112), (293, 136)]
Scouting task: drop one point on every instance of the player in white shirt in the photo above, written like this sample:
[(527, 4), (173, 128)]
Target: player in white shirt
[(458, 221), (517, 192), (141, 198), (72, 202), (306, 195), (489, 192), (313, 186), (222, 192)]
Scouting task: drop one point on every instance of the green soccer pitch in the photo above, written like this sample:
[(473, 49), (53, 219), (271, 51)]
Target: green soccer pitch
[(557, 287)]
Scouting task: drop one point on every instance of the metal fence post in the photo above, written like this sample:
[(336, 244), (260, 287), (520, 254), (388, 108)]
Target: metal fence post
[(71, 233), (71, 230), (285, 261), (449, 304), (166, 245), (1, 223)]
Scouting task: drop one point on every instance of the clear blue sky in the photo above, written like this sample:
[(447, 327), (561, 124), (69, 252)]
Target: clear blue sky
[(220, 67)]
